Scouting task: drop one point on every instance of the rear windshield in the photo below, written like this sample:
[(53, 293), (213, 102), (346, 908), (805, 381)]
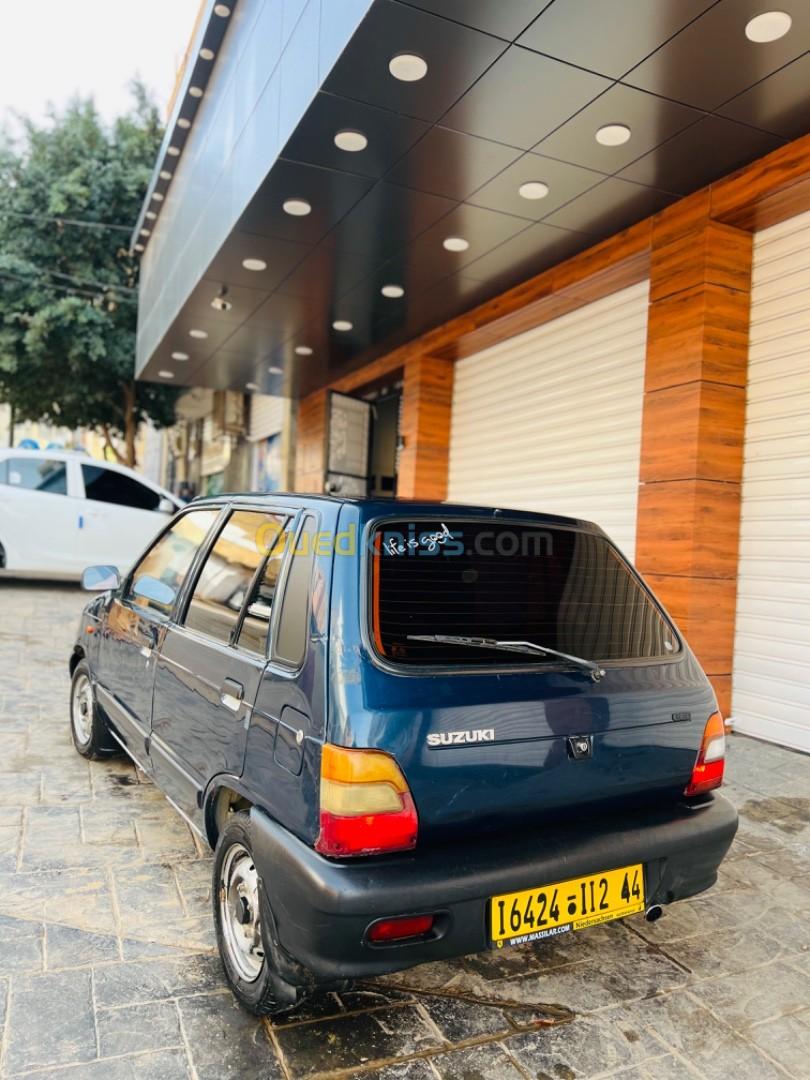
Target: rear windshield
[(559, 588)]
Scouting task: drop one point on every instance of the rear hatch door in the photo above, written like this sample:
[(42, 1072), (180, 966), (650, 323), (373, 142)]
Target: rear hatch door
[(486, 737)]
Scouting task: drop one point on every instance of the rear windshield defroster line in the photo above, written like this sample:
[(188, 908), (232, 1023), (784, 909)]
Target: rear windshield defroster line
[(565, 589)]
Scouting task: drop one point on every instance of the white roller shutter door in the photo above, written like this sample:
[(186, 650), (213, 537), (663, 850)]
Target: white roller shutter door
[(771, 678), (551, 420), (266, 416)]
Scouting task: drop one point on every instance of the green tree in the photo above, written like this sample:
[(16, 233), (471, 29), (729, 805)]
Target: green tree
[(70, 192)]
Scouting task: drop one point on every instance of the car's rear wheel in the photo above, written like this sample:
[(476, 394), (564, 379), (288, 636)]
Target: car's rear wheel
[(242, 919), (87, 727)]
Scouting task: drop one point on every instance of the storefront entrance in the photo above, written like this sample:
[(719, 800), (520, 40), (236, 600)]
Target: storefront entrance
[(362, 443)]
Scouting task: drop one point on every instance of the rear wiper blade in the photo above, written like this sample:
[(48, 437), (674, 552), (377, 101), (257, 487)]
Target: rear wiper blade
[(593, 669)]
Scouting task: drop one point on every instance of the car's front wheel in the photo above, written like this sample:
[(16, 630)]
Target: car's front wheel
[(87, 727), (242, 919)]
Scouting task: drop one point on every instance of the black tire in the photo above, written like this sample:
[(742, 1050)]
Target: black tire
[(88, 729), (236, 890)]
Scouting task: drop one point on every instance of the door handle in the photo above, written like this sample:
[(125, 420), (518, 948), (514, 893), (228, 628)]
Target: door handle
[(231, 694)]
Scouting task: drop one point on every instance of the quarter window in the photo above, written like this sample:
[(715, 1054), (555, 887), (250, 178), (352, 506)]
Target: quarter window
[(35, 474), (227, 576), (291, 640), (158, 577), (109, 486)]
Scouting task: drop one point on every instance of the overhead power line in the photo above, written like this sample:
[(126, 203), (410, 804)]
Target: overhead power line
[(92, 284), (107, 286), (74, 290), (73, 222)]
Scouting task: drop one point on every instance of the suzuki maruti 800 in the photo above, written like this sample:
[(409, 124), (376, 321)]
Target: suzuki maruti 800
[(409, 731)]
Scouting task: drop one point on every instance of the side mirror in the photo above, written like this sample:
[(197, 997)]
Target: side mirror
[(166, 506), (100, 578), (154, 590)]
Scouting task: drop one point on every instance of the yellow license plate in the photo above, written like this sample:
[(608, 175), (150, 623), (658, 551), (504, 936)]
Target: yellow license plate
[(569, 905)]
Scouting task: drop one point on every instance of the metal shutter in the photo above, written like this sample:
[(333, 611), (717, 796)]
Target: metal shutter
[(771, 677), (551, 420), (266, 416)]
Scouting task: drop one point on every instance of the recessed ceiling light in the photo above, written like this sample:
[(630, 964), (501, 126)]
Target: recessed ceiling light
[(613, 135), (196, 91), (455, 243), (151, 215), (408, 67), (393, 292), (166, 374), (183, 123), (769, 26), (201, 335), (156, 195), (173, 151), (146, 232), (302, 350), (254, 264), (139, 247), (275, 370), (251, 386), (533, 189), (181, 356), (207, 54), (351, 141), (222, 10), (165, 174), (342, 325), (296, 207)]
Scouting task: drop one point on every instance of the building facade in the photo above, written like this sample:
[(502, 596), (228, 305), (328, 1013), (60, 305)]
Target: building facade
[(571, 275)]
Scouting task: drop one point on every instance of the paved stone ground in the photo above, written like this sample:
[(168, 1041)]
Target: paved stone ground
[(108, 971)]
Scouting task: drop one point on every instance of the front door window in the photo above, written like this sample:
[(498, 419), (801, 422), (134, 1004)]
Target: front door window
[(168, 562)]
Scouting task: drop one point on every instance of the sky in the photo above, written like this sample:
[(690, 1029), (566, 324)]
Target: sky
[(51, 50)]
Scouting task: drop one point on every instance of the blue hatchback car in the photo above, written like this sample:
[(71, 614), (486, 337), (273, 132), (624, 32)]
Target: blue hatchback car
[(410, 731)]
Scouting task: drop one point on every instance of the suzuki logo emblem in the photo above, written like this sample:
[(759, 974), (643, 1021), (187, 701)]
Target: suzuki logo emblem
[(580, 747)]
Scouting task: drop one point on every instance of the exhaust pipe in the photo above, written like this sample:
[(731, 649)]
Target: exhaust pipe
[(654, 913)]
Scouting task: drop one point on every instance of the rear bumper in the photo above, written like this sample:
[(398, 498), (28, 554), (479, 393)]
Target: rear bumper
[(322, 908)]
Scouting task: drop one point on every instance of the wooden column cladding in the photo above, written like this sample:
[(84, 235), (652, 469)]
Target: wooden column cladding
[(310, 451), (693, 427), (427, 398)]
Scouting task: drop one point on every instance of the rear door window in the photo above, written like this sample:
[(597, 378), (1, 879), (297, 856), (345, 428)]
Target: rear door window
[(255, 628), (35, 474), (226, 580), (560, 588), (109, 486)]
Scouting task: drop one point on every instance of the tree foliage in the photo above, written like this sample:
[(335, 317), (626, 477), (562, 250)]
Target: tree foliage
[(67, 290)]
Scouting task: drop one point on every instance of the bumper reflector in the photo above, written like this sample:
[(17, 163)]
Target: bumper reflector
[(405, 926)]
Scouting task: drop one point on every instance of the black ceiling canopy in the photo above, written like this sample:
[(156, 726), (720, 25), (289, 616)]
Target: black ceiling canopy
[(515, 94)]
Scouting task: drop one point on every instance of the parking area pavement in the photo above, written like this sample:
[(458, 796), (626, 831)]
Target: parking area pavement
[(108, 968)]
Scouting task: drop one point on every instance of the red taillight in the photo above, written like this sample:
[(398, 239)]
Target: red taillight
[(711, 759), (366, 806), (405, 926)]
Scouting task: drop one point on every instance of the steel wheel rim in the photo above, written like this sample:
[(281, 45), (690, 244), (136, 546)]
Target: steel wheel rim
[(81, 714), (239, 913)]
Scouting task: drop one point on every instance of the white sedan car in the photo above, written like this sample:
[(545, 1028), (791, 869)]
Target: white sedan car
[(62, 511)]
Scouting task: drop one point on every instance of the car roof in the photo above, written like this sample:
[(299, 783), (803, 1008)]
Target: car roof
[(370, 508), (54, 455)]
